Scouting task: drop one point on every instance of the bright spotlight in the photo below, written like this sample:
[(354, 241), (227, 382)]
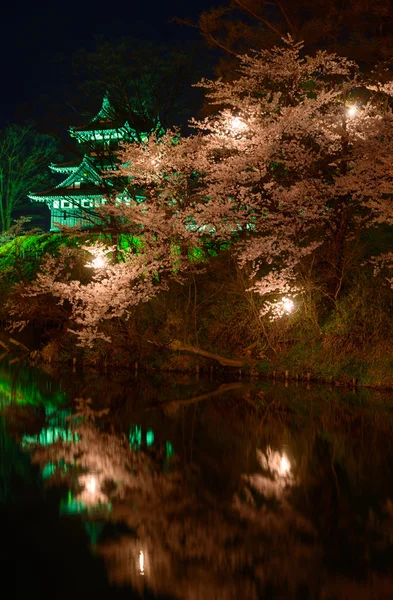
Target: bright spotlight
[(285, 465), (352, 110), (99, 262), (91, 484), (141, 563), (237, 125), (287, 304)]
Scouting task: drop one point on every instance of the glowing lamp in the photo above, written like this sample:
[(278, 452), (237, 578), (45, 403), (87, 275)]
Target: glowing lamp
[(287, 305), (91, 485), (99, 262), (352, 110), (141, 563), (237, 125), (285, 465)]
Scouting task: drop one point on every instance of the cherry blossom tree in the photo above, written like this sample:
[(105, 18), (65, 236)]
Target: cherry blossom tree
[(294, 163), (296, 158)]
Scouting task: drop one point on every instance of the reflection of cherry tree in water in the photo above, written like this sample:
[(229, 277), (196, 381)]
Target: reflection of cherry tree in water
[(179, 538), (176, 537)]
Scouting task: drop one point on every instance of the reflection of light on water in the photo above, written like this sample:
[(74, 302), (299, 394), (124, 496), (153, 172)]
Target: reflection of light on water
[(141, 563), (50, 435), (135, 436), (91, 485), (71, 506), (149, 437), (277, 476), (91, 494), (169, 449), (277, 464), (285, 465), (48, 470)]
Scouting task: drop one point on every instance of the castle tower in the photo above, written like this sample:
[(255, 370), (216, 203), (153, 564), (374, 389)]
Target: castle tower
[(74, 201)]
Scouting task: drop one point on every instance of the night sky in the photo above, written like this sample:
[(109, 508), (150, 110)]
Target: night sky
[(37, 39)]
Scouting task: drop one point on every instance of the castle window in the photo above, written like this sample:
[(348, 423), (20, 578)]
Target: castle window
[(65, 216), (66, 204)]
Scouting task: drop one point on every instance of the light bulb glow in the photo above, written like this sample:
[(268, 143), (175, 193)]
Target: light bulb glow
[(91, 485), (287, 305), (141, 563), (285, 465), (352, 110), (99, 262), (237, 125)]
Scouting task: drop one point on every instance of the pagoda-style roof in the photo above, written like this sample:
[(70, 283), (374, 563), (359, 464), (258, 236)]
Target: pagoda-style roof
[(85, 176), (109, 125), (106, 120), (106, 113), (103, 162), (92, 191), (96, 158), (66, 167), (85, 172)]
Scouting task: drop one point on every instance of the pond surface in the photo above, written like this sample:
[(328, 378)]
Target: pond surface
[(145, 486)]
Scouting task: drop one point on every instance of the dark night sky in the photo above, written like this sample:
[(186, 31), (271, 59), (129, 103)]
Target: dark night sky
[(33, 34)]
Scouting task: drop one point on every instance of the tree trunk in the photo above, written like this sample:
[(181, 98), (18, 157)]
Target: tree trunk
[(336, 254), (222, 360)]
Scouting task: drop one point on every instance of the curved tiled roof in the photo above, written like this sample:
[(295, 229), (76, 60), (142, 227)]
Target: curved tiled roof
[(93, 191)]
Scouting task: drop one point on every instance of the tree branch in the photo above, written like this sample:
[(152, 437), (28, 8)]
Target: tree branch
[(258, 17), (225, 362), (222, 389)]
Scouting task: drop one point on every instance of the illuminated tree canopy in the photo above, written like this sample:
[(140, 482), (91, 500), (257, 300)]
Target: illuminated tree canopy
[(290, 169)]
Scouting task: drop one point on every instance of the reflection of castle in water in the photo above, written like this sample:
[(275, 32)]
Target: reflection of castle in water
[(174, 534), (139, 437), (62, 429)]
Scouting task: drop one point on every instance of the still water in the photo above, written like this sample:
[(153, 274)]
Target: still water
[(130, 486)]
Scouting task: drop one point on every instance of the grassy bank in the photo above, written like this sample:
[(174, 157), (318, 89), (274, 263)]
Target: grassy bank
[(350, 338)]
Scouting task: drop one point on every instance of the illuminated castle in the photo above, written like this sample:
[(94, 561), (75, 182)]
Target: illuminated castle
[(74, 201)]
